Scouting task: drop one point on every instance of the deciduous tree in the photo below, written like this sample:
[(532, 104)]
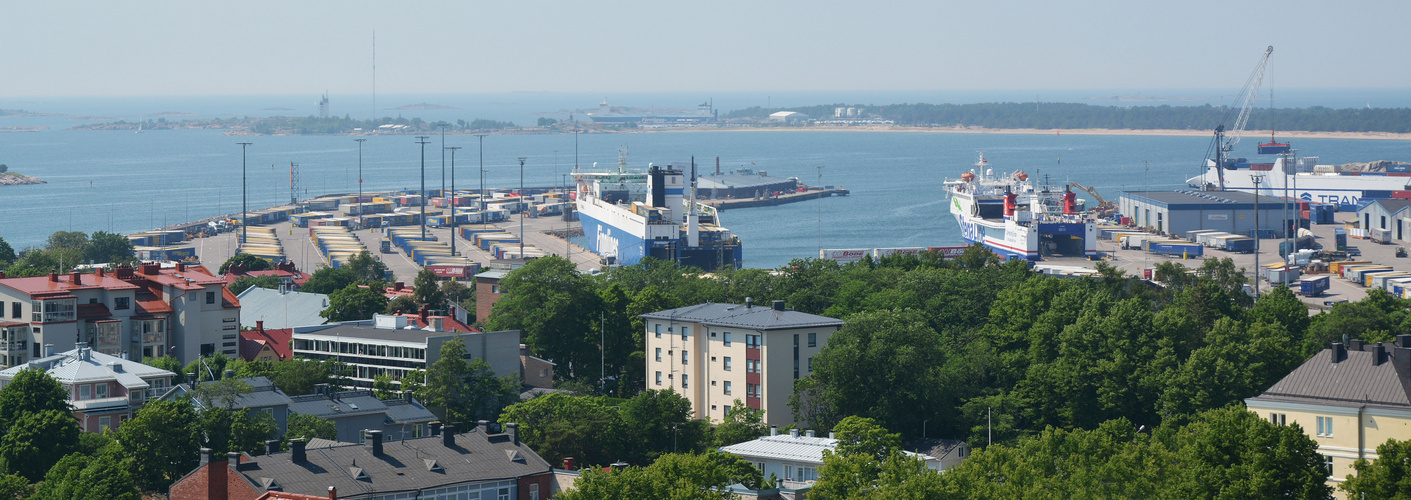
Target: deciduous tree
[(354, 303), (161, 444)]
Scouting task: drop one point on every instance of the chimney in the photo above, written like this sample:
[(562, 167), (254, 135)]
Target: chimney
[(569, 463), (438, 323), (1354, 345), (180, 266), (48, 350), (749, 303), (773, 430), (513, 429), (297, 452), (2, 275), (436, 428), (332, 493), (97, 272), (76, 279), (397, 286), (234, 459), (53, 276), (793, 433), (271, 446), (1403, 340), (809, 433), (217, 469), (1401, 359), (832, 435), (230, 374), (778, 305), (375, 437), (1339, 352), (407, 396), (448, 435), (484, 426), (421, 314), (1379, 354)]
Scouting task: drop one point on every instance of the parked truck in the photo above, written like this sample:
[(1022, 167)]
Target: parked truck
[(1313, 287)]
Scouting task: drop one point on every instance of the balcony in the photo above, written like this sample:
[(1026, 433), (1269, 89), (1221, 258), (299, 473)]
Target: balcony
[(113, 403)]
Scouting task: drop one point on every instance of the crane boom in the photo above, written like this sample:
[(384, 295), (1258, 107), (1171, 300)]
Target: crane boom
[(1227, 138)]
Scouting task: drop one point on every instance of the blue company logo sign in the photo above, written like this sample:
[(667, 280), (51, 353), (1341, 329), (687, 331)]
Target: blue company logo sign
[(972, 231), (1306, 197)]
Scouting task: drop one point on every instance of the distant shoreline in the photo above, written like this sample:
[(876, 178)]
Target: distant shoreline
[(1281, 134)]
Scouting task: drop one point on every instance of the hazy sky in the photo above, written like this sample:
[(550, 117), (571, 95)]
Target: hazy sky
[(189, 47)]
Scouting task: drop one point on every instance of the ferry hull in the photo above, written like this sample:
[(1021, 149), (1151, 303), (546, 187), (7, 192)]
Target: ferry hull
[(609, 241)]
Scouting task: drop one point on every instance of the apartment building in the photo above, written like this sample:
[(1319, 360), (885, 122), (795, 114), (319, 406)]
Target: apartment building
[(714, 354), (152, 311), (1348, 398), (104, 390)]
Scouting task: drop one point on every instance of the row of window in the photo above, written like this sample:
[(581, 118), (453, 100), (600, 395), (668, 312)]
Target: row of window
[(385, 351), (800, 473), (685, 380)]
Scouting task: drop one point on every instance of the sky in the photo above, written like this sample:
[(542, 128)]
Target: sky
[(257, 47)]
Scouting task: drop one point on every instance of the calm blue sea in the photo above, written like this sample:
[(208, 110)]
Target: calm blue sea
[(125, 182)]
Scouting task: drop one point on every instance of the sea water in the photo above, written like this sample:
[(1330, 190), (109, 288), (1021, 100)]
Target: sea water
[(126, 182)]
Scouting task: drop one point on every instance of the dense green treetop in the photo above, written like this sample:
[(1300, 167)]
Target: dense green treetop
[(1389, 476), (31, 391)]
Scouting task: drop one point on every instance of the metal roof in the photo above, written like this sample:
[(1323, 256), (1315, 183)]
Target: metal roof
[(402, 411), (1392, 206), (738, 181), (1355, 381), (800, 448), (405, 466), (740, 316), (1234, 199), (281, 309), (338, 405), (263, 394), (494, 274), (86, 365)]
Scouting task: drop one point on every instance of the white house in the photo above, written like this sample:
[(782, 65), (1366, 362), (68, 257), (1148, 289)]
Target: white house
[(795, 458)]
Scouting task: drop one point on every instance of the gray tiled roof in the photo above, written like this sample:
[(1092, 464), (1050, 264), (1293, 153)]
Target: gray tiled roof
[(1393, 205), (732, 315), (1352, 382), (403, 466), (281, 309), (263, 394), (936, 447), (401, 411)]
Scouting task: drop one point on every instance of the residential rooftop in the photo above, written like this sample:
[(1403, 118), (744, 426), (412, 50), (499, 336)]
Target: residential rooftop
[(775, 317)]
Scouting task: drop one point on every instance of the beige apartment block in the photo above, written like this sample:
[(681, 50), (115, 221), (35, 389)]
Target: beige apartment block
[(715, 354), (1349, 398)]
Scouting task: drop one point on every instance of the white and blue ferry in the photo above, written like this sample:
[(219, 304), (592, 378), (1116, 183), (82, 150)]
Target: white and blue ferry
[(1009, 215), (627, 215)]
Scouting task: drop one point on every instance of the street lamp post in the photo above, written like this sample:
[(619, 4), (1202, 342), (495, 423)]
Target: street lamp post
[(521, 207), (443, 161), (481, 204), (453, 198), (362, 206), (244, 200), (421, 139)]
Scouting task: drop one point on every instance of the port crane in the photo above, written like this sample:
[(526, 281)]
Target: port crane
[(1103, 206), (1226, 139)]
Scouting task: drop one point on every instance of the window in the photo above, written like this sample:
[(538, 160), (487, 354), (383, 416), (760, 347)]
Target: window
[(1328, 464), (15, 310), (684, 331), (658, 378), (658, 330), (685, 357), (495, 289), (727, 410), (100, 391), (684, 381), (104, 423), (1278, 418), (210, 297), (727, 388), (752, 341), (810, 364), (796, 356), (533, 491), (788, 471), (84, 392), (727, 339), (813, 340), (504, 494), (658, 354), (727, 364), (1325, 426)]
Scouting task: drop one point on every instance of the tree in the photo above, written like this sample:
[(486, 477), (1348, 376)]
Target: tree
[(14, 487), (467, 391), (364, 267), (1389, 476), (741, 424), (862, 436), (383, 386), (31, 391), (353, 303), (109, 247), (557, 426), (308, 426), (857, 462), (80, 477), (246, 282), (403, 304), (224, 393), (415, 381), (660, 422), (676, 476), (299, 376), (36, 441), (7, 252), (251, 263), (427, 290), (459, 294), (249, 430), (1230, 452), (327, 280), (67, 240), (170, 364), (161, 444), (553, 304)]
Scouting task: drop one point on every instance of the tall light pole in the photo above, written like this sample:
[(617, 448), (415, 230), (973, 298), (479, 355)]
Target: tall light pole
[(443, 163), (521, 207), (453, 198), (820, 212), (362, 205), (244, 201), (421, 139), (481, 204), (1258, 179)]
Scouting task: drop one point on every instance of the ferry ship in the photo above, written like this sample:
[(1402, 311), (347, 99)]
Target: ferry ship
[(627, 215), (1009, 215), (703, 113), (1304, 178)]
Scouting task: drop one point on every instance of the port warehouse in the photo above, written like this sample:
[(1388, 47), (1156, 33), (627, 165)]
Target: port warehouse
[(1384, 220), (1179, 212)]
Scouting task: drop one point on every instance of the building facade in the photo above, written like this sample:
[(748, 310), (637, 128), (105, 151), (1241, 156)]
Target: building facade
[(395, 345), (1385, 220), (1349, 399), (1178, 212), (104, 390), (795, 458), (715, 354), (487, 292)]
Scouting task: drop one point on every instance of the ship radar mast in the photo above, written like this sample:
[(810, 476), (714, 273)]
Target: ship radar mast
[(622, 159)]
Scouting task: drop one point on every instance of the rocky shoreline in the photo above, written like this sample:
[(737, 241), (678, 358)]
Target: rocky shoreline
[(14, 179)]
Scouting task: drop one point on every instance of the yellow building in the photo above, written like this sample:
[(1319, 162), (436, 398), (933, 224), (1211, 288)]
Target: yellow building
[(1347, 398), (714, 354)]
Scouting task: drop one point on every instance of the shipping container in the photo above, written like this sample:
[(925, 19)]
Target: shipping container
[(1175, 248), (1358, 274), (1210, 239), (1338, 267), (1313, 287), (1380, 280), (845, 255), (1191, 235), (1236, 244), (887, 252), (1382, 236)]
